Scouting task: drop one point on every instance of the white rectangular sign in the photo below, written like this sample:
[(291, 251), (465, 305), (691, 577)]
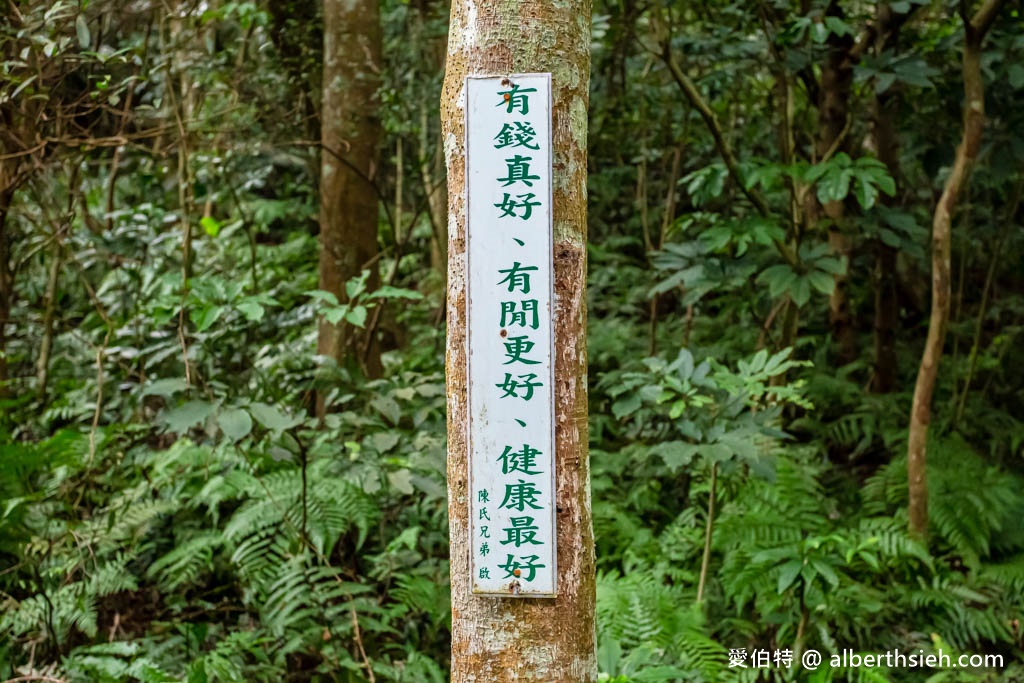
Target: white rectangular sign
[(511, 362)]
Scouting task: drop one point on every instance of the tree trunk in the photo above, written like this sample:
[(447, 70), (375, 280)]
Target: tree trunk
[(49, 313), (883, 378), (6, 280), (833, 114), (975, 29), (517, 639), (350, 128)]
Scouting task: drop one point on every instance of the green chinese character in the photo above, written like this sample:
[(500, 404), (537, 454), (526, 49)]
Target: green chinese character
[(483, 514), (485, 549), (520, 496), (481, 496), (518, 276), (510, 316), (523, 460), (515, 99), (485, 573), (523, 530), (515, 347), (519, 171), (509, 206), (512, 387), (524, 568), (520, 136), (484, 533)]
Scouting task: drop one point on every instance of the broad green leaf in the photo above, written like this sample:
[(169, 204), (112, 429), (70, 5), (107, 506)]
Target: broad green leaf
[(272, 418), (827, 571), (401, 481), (788, 573), (188, 415), (82, 29), (382, 442), (252, 310), (235, 423), (626, 406), (357, 316), (865, 192), (324, 296), (335, 315), (389, 292), (800, 291), (203, 318), (165, 387), (821, 281), (388, 407), (676, 454), (211, 225), (834, 186)]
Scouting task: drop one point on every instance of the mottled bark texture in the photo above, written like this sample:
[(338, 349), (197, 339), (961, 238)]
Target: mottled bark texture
[(497, 639), (975, 29), (350, 129)]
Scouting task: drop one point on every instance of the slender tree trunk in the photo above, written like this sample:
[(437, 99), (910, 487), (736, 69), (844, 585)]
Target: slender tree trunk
[(49, 312), (431, 149), (6, 280), (504, 639), (350, 129), (437, 204), (886, 143), (833, 115), (975, 29), (709, 525)]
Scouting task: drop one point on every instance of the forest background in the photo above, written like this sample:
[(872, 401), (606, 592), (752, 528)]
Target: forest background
[(802, 221)]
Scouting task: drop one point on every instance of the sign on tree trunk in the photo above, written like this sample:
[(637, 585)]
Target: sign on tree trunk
[(517, 207), (511, 371)]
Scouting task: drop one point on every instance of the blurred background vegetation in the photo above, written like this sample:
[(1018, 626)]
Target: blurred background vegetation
[(199, 483)]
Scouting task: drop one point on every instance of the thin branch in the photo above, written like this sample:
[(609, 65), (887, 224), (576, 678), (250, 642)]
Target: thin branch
[(724, 149), (982, 20), (359, 644)]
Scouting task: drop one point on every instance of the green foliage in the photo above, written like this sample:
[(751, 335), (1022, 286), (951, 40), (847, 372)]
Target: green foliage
[(172, 509)]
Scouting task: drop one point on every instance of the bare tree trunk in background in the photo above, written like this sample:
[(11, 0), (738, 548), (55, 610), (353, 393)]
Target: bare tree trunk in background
[(350, 129), (883, 376), (833, 115), (431, 151), (6, 278), (540, 640), (49, 313), (437, 203), (975, 29)]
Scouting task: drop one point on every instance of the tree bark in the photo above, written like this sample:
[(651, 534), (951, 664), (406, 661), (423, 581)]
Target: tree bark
[(6, 280), (833, 114), (883, 377), (975, 29), (515, 639), (350, 129), (49, 313)]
